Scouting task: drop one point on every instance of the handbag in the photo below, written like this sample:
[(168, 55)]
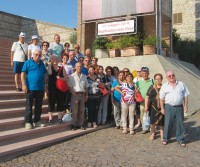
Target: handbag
[(138, 97), (103, 90), (67, 117), (61, 85), (146, 121)]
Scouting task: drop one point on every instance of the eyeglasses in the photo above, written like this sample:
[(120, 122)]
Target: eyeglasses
[(86, 60), (170, 76), (45, 45), (77, 48)]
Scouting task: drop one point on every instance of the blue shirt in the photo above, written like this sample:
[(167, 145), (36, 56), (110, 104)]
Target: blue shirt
[(34, 74), (78, 56), (116, 94), (73, 63), (84, 71)]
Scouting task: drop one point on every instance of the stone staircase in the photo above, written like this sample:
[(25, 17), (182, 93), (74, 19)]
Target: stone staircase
[(15, 140)]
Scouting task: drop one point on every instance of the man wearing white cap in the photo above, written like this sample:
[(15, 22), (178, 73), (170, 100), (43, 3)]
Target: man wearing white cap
[(56, 48), (18, 56), (33, 46)]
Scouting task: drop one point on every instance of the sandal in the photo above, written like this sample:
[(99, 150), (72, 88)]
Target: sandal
[(164, 142), (152, 137)]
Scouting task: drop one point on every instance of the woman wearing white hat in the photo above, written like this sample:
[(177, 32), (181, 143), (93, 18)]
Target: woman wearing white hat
[(33, 46)]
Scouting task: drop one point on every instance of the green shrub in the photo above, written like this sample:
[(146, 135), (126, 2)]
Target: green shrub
[(150, 40), (164, 44)]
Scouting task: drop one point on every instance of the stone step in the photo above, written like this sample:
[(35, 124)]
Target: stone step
[(11, 151), (16, 123), (6, 67), (21, 134), (17, 112), (5, 81), (5, 72), (11, 94), (7, 87), (4, 104), (6, 78)]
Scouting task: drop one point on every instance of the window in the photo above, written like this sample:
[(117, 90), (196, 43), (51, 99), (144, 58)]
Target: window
[(177, 18)]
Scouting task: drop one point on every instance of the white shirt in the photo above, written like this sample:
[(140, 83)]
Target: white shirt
[(137, 79), (174, 96), (78, 83), (18, 52), (32, 47)]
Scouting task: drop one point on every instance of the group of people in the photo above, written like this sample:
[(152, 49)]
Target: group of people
[(105, 95)]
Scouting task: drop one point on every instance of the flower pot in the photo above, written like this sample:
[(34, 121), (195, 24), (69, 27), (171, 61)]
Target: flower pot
[(114, 53), (101, 53), (149, 50), (131, 51), (165, 52)]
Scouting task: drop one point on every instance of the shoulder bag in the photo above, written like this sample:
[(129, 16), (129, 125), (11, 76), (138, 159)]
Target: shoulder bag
[(61, 85)]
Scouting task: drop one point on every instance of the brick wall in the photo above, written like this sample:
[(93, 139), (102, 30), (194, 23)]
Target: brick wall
[(11, 25)]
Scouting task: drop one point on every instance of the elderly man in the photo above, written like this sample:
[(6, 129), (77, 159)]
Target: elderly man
[(175, 96), (79, 88), (72, 61), (56, 48), (33, 73), (78, 54), (19, 52)]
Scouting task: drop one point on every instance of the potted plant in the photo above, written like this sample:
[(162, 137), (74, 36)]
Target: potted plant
[(113, 48), (99, 48), (165, 48), (149, 45), (129, 45)]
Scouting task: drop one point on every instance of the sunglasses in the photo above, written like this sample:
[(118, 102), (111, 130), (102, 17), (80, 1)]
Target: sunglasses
[(170, 76), (77, 48)]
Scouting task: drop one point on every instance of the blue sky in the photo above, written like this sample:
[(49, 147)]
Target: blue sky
[(62, 12)]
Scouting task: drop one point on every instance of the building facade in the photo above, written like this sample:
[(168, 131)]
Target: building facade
[(186, 18)]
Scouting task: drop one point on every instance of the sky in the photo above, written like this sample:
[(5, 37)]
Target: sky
[(62, 12)]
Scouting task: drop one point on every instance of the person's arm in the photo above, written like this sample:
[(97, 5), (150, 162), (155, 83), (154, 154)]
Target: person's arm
[(23, 79), (162, 100), (186, 104), (65, 75), (117, 88), (29, 54), (11, 58), (146, 109), (86, 90)]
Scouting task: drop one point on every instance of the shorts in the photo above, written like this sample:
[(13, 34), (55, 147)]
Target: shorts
[(17, 68)]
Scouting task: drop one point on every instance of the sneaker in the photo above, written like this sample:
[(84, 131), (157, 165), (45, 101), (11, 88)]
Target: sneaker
[(94, 125), (83, 128), (132, 132), (60, 121), (145, 131), (74, 127), (89, 125), (51, 122), (39, 124), (28, 126), (137, 126), (124, 131), (19, 89)]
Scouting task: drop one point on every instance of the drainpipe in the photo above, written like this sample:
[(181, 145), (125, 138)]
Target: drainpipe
[(160, 27), (171, 29), (157, 35), (81, 26)]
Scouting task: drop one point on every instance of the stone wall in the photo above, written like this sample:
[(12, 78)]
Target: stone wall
[(11, 25), (190, 9)]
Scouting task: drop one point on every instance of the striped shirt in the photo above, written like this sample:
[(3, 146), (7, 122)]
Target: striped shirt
[(174, 96)]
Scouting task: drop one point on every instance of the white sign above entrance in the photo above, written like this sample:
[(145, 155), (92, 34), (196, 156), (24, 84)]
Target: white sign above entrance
[(118, 27)]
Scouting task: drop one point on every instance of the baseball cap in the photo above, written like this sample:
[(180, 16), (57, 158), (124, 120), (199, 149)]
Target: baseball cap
[(145, 69), (139, 69), (34, 37), (22, 34)]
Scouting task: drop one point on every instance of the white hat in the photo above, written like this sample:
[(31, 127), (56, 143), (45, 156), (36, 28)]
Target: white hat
[(34, 37), (22, 34)]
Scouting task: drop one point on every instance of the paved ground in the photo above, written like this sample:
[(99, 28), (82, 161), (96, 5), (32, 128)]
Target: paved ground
[(111, 148)]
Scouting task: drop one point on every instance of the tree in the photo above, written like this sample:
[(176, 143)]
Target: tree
[(73, 38)]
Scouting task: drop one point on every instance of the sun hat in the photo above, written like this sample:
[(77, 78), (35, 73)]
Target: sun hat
[(22, 34), (34, 37)]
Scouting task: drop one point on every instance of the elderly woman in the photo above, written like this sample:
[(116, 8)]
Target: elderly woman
[(55, 95), (152, 104), (127, 90), (94, 97)]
